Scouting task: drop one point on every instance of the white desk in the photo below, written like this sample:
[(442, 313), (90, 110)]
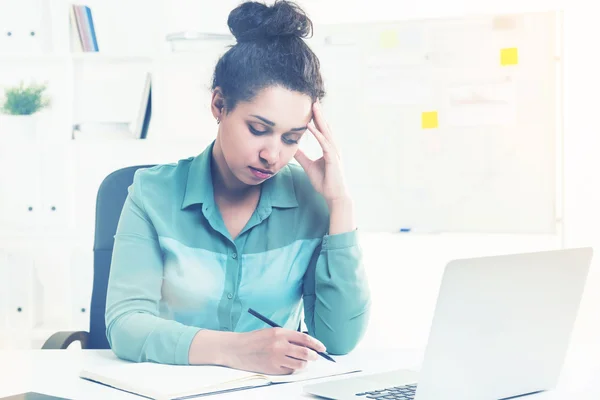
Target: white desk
[(55, 372)]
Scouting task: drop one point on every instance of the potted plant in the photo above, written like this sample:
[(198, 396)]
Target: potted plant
[(21, 103)]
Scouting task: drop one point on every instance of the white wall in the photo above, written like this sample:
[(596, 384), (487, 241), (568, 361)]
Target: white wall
[(582, 164), (196, 14)]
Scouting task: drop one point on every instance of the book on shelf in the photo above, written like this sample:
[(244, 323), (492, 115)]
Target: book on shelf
[(141, 121), (83, 32), (137, 128), (76, 45)]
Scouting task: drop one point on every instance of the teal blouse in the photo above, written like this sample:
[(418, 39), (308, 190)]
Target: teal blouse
[(176, 270)]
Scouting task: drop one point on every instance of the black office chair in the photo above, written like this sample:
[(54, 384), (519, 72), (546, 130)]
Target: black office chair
[(109, 203)]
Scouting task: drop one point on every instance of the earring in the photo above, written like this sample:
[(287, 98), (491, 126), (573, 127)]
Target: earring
[(218, 120)]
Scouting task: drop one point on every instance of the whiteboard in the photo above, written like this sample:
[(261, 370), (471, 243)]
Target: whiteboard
[(446, 125)]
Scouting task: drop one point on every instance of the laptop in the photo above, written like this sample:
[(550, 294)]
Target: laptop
[(500, 330)]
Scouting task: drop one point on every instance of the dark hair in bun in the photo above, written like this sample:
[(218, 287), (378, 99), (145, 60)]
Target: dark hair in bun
[(270, 51), (254, 21)]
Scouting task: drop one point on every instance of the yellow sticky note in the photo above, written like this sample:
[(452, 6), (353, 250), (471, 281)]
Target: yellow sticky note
[(388, 39), (429, 120), (509, 56)]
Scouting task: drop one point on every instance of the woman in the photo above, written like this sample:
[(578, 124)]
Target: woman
[(237, 227)]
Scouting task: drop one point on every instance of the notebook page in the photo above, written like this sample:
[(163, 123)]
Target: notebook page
[(316, 369), (162, 381)]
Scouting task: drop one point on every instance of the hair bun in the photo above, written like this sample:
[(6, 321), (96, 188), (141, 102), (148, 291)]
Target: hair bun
[(253, 21)]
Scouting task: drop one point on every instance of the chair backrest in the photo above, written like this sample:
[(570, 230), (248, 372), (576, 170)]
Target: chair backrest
[(109, 203)]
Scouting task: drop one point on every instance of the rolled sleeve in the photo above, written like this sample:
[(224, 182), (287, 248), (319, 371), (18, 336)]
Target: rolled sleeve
[(340, 241), (336, 293)]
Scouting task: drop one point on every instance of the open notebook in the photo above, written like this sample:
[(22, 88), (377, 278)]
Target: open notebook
[(170, 382)]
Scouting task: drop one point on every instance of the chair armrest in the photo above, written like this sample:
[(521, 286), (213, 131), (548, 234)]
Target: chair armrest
[(62, 340)]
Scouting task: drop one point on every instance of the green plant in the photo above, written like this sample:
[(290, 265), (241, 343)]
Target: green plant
[(25, 100)]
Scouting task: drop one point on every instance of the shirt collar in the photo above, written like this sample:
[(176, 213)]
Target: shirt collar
[(278, 191), (199, 186)]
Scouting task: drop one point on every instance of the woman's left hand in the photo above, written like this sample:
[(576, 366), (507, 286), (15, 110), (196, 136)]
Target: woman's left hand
[(325, 173)]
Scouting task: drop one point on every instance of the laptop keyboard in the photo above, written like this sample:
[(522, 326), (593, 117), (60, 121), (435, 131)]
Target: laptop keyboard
[(394, 393)]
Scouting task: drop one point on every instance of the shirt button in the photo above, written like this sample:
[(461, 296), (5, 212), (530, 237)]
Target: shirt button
[(230, 296), (234, 255)]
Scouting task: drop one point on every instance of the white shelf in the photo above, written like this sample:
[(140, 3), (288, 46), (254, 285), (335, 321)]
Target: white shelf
[(111, 58), (76, 57), (185, 57), (98, 140), (32, 58)]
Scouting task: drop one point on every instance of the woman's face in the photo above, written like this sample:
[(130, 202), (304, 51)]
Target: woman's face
[(260, 137)]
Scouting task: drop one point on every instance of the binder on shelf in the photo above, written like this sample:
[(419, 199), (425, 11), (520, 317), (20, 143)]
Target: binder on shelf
[(76, 44), (90, 21), (82, 27), (139, 126)]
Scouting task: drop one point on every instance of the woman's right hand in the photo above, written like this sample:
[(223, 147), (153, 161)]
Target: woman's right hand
[(274, 351)]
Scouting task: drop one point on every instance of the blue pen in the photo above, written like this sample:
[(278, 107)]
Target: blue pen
[(274, 325)]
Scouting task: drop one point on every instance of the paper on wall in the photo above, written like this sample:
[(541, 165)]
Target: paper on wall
[(482, 104), (389, 85)]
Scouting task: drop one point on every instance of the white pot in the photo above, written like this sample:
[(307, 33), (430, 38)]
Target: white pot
[(22, 127)]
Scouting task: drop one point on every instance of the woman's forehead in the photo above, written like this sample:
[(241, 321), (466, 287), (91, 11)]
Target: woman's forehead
[(282, 106)]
